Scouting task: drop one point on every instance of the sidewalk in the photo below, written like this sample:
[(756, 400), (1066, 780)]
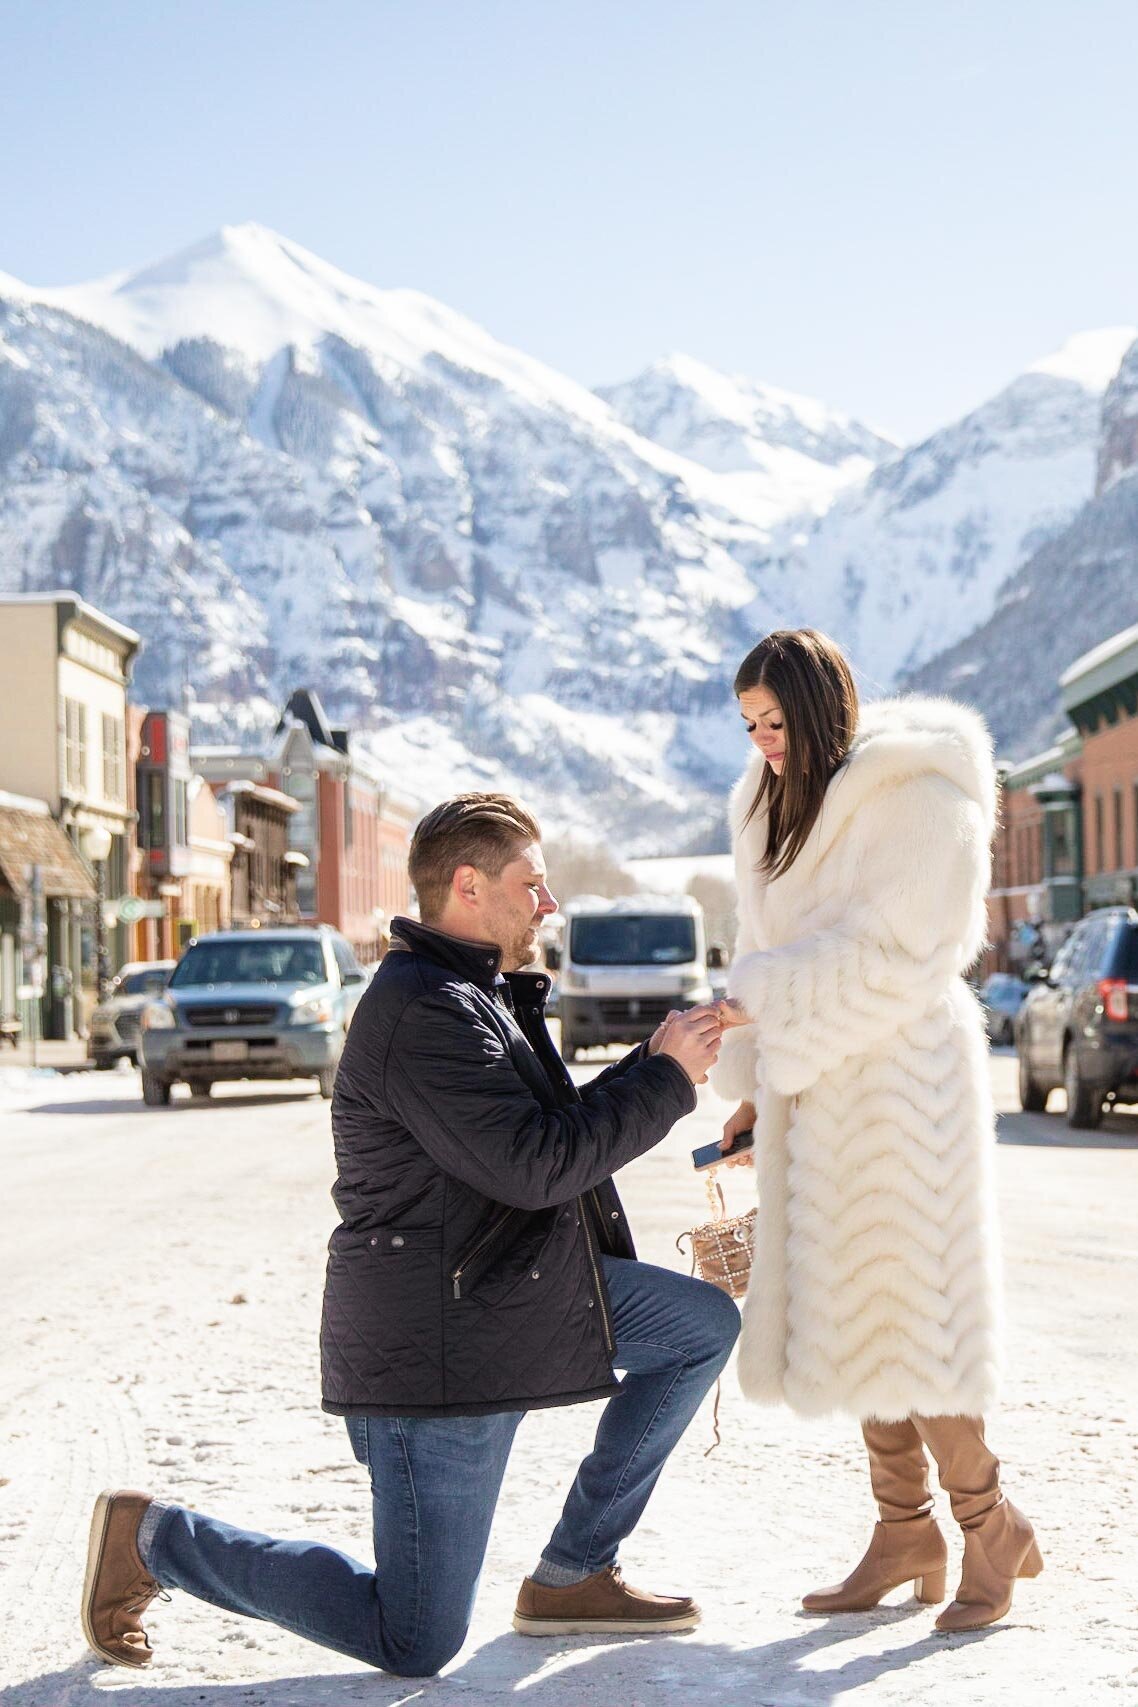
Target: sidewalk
[(70, 1057)]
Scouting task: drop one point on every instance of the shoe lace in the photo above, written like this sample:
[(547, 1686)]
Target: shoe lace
[(148, 1590)]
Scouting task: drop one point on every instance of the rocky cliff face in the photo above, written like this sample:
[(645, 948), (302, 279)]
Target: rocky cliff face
[(1074, 593), (1118, 448), (918, 555)]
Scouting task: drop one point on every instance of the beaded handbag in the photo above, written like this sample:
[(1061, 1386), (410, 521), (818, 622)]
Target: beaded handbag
[(722, 1248), (721, 1253)]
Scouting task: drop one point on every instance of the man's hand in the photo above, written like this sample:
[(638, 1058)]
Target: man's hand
[(742, 1120), (692, 1040), (660, 1032), (731, 1013)]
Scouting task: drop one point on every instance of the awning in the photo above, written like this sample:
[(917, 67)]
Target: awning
[(29, 838)]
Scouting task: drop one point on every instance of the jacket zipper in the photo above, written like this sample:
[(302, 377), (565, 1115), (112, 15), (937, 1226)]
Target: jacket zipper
[(495, 1226), (598, 1285)]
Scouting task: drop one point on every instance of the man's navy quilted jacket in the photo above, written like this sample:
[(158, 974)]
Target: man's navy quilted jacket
[(474, 1192)]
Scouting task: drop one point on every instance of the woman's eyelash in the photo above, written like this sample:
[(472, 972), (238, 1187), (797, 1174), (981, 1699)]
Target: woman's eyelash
[(751, 727)]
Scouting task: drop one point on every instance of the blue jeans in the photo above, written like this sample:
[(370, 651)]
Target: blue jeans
[(435, 1483)]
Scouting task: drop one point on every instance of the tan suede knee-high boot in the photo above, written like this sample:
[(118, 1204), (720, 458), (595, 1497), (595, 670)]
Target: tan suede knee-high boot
[(907, 1545), (999, 1543)]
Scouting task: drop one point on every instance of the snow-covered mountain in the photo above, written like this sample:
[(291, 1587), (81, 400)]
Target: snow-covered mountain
[(780, 455), (1075, 592), (282, 476), (310, 480), (914, 559)]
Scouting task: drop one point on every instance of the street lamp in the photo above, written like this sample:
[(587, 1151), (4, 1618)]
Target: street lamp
[(97, 844)]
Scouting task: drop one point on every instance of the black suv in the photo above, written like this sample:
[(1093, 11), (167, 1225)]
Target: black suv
[(1079, 1025)]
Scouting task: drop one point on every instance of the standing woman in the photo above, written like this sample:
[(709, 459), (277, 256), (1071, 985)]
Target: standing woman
[(862, 860)]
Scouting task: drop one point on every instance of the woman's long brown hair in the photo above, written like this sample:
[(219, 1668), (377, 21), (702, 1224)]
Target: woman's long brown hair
[(808, 674)]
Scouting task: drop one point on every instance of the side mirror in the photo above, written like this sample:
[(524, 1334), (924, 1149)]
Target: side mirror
[(553, 958), (359, 976), (716, 957)]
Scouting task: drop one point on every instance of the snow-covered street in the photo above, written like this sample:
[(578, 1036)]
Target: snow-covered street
[(161, 1272)]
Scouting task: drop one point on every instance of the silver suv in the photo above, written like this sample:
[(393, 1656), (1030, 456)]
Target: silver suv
[(116, 1022), (273, 1003)]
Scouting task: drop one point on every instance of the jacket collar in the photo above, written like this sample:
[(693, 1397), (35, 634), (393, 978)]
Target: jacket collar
[(481, 962)]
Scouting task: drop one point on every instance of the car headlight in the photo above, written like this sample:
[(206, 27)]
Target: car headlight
[(159, 1016), (317, 1012)]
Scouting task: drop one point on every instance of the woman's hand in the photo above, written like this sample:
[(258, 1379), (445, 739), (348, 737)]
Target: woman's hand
[(731, 1013), (742, 1120)]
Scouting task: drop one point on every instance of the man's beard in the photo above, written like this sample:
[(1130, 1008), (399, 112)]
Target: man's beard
[(523, 950)]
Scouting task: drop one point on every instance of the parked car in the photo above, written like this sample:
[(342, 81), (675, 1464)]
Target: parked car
[(116, 1022), (1079, 1025), (1001, 996), (252, 1004)]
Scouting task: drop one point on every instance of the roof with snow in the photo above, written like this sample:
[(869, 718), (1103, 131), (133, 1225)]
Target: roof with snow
[(1101, 669)]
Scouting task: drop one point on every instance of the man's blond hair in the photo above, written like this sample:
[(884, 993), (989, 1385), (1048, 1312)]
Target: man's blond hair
[(483, 830)]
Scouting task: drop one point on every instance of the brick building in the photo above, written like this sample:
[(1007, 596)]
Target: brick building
[(352, 829), (1068, 839)]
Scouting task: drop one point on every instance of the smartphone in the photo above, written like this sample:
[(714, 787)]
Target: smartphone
[(710, 1155)]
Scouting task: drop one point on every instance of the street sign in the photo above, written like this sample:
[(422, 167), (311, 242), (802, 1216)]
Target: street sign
[(128, 909)]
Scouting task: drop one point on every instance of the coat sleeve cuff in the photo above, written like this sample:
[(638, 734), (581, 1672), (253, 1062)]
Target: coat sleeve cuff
[(735, 1076)]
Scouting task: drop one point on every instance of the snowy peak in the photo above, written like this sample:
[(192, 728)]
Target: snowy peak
[(915, 558), (1089, 359), (691, 407), (254, 292), (783, 454)]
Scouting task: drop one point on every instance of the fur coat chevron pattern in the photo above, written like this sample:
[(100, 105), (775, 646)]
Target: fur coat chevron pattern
[(875, 1285)]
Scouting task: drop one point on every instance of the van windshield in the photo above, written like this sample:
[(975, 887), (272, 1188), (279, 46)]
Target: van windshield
[(264, 960), (630, 939)]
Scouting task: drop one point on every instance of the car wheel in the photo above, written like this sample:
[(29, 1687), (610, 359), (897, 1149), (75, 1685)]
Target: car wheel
[(327, 1077), (155, 1091), (1084, 1105), (200, 1087), (1032, 1096)]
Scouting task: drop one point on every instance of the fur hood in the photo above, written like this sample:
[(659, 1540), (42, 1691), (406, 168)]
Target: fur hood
[(897, 741)]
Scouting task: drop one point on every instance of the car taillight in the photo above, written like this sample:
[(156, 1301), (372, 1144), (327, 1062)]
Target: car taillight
[(1114, 998)]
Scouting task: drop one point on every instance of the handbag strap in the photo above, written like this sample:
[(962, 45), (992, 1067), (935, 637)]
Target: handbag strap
[(716, 1201)]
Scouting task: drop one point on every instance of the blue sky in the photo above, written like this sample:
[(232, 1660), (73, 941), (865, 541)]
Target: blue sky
[(893, 207)]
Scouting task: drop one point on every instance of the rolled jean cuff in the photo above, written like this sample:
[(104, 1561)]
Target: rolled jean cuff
[(148, 1531)]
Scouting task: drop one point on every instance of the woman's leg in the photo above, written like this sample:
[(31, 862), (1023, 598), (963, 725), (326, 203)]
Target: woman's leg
[(907, 1545), (999, 1543)]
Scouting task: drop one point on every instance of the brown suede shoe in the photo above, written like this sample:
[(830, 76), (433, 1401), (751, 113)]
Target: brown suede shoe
[(117, 1588), (601, 1605)]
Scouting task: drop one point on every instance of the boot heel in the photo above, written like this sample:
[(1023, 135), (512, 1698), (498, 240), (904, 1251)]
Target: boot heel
[(930, 1589), (1032, 1562)]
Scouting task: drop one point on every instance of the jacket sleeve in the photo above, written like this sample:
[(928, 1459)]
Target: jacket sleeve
[(640, 1053), (450, 1080), (914, 921)]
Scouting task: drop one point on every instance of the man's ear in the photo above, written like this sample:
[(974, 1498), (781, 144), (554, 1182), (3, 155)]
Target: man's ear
[(466, 885)]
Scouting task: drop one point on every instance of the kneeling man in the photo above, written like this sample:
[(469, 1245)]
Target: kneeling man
[(482, 1268)]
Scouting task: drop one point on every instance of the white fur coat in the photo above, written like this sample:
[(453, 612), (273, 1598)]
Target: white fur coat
[(875, 1286)]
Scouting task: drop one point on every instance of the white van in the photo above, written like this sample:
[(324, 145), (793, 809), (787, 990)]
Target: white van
[(624, 964)]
